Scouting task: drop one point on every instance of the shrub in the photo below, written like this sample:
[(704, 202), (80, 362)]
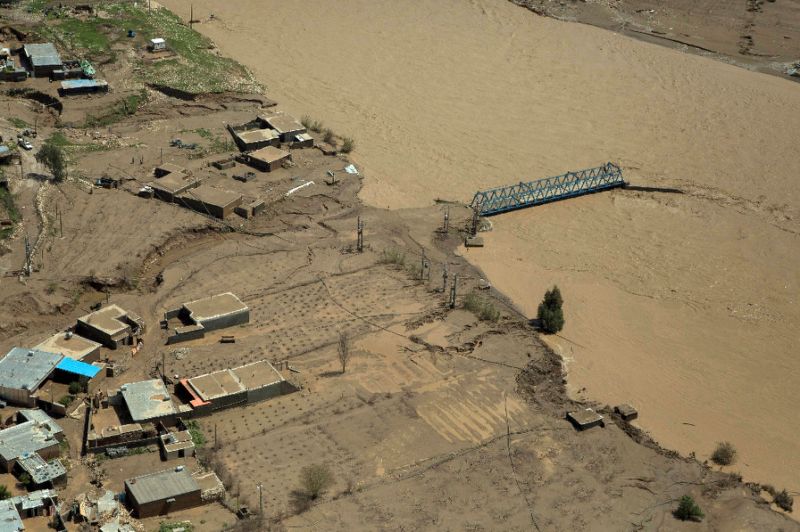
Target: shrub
[(66, 400), (393, 256), (316, 479), (688, 510), (306, 121), (784, 500), (75, 388), (724, 454), (4, 493), (483, 308), (316, 126), (550, 314), (348, 145), (328, 135), (25, 479)]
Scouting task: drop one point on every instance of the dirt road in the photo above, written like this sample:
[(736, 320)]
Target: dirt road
[(684, 305)]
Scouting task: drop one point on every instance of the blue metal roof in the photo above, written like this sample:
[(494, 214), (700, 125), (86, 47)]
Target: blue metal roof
[(83, 83), (83, 369)]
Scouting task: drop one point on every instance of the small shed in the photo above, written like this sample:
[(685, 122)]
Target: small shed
[(72, 87), (157, 44), (626, 412), (162, 492), (585, 419), (267, 159)]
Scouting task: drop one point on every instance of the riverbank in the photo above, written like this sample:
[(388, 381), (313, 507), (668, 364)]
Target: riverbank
[(680, 304)]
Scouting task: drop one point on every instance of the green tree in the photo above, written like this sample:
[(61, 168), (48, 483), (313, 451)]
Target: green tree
[(550, 314), (54, 158), (4, 493), (75, 387), (688, 510)]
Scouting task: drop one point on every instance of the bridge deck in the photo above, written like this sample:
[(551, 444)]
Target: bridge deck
[(571, 184)]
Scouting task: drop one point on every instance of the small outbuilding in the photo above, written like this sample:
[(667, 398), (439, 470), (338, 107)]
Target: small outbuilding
[(10, 520), (176, 445), (168, 168), (267, 159), (206, 314), (112, 326), (162, 492), (73, 87), (585, 419), (626, 412), (41, 472), (157, 45)]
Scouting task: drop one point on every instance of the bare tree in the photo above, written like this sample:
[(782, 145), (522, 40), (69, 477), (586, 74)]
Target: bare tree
[(344, 349)]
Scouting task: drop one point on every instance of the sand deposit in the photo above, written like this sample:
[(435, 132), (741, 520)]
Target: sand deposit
[(683, 305)]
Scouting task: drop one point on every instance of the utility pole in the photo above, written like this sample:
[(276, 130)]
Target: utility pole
[(453, 290), (444, 278), (191, 16), (260, 501), (474, 229), (27, 267), (447, 220), (360, 242)]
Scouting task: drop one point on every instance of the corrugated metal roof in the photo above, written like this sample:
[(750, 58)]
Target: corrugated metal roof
[(161, 485), (27, 437), (40, 470), (26, 369), (79, 368), (10, 520)]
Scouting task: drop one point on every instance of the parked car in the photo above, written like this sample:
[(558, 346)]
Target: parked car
[(24, 143)]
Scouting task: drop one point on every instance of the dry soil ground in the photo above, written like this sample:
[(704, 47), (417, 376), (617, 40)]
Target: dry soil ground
[(441, 420), (682, 304)]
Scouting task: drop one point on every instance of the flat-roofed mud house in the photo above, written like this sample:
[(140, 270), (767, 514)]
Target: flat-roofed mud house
[(172, 185), (162, 492), (287, 126), (35, 432), (267, 159), (198, 317), (112, 326), (148, 401), (22, 372), (251, 136), (226, 388), (167, 169), (73, 346), (42, 59), (210, 201)]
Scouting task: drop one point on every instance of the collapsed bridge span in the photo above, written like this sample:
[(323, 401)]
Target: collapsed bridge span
[(571, 184)]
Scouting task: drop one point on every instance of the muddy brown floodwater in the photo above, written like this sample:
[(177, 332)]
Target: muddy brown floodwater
[(685, 305)]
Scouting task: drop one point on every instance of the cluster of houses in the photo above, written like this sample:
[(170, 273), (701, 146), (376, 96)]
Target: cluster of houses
[(42, 60), (143, 413), (261, 143)]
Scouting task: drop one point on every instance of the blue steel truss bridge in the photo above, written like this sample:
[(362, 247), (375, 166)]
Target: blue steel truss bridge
[(569, 185)]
